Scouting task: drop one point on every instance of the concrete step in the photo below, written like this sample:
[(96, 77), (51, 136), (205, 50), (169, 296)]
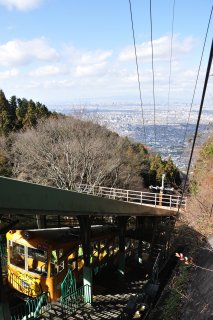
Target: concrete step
[(54, 313), (104, 306), (107, 304)]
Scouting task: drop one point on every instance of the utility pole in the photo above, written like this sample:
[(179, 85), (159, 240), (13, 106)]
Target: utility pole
[(161, 188)]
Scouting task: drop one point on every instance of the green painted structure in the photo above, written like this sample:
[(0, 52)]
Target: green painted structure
[(28, 198), (30, 308), (18, 197)]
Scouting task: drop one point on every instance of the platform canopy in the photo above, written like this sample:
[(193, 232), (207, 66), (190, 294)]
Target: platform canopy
[(29, 198)]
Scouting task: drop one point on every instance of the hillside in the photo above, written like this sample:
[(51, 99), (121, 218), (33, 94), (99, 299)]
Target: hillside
[(67, 151), (199, 213), (48, 148), (19, 114), (189, 292), (199, 304)]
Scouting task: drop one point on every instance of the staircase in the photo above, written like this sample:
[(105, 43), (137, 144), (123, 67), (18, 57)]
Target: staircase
[(103, 307), (54, 313), (109, 306), (108, 302)]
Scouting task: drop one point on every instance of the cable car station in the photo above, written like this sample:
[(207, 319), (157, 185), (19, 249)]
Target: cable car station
[(50, 264)]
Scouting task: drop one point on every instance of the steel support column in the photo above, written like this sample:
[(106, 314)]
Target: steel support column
[(122, 221), (85, 232), (139, 226), (140, 260), (41, 221)]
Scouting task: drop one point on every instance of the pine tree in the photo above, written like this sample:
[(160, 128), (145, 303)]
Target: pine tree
[(30, 119), (5, 121), (41, 111), (13, 107), (21, 111)]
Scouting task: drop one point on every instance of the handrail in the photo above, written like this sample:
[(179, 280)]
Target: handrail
[(75, 300), (155, 268), (139, 197), (68, 285), (31, 308)]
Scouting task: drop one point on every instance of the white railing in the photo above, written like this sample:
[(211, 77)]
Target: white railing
[(139, 197)]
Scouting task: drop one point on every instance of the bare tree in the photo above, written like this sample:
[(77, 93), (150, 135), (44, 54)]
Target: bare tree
[(68, 151), (5, 165), (199, 213)]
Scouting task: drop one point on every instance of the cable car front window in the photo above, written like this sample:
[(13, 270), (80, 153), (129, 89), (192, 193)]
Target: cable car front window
[(56, 265), (17, 255), (37, 261)]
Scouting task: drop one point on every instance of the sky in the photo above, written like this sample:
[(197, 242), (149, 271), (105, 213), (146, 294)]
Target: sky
[(66, 52)]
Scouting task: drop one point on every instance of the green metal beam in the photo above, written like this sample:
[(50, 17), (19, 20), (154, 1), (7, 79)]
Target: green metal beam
[(28, 198)]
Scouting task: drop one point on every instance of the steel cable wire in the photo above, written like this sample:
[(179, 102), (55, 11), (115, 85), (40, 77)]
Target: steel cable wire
[(137, 68), (195, 87), (170, 61), (153, 73), (198, 121)]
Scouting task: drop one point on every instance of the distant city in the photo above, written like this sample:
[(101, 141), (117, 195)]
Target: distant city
[(168, 137)]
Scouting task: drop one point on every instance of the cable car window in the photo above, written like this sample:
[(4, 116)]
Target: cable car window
[(111, 249), (80, 263), (72, 260), (102, 244), (56, 267), (95, 250), (17, 256), (73, 265), (37, 261), (80, 251), (60, 266), (60, 253), (116, 245)]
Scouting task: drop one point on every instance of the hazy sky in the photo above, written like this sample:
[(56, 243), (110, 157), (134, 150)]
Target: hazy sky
[(66, 51)]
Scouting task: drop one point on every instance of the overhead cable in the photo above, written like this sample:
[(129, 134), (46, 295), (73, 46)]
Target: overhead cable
[(195, 87), (137, 68), (198, 119), (170, 61), (153, 73)]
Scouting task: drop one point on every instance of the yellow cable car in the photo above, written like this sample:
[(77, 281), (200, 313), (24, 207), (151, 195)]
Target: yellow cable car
[(38, 260)]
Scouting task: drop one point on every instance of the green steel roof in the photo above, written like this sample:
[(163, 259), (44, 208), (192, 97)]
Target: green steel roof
[(29, 198)]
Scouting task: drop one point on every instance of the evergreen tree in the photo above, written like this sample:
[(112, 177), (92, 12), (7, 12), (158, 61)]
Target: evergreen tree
[(30, 119), (5, 167), (13, 107), (5, 121), (41, 111), (21, 114), (3, 101), (21, 111), (158, 166), (172, 173)]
